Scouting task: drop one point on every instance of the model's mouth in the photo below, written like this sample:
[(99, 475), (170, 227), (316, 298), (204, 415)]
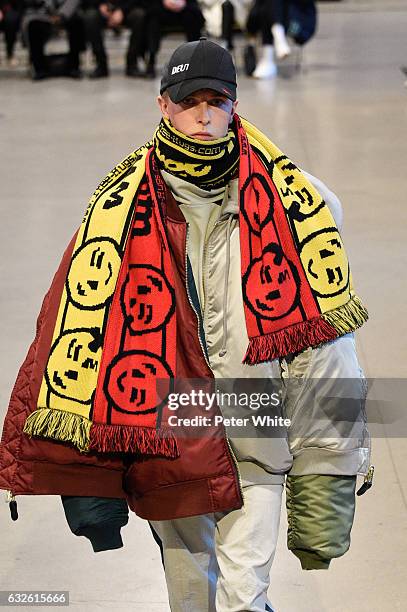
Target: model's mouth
[(202, 135)]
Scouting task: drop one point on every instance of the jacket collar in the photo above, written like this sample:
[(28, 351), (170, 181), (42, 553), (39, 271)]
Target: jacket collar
[(230, 205)]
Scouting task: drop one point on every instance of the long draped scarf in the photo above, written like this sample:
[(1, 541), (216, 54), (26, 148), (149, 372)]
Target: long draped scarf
[(115, 335)]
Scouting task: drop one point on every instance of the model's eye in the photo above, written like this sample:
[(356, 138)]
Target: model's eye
[(188, 101), (218, 102)]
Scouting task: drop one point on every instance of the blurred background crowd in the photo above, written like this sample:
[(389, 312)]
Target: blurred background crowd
[(270, 29)]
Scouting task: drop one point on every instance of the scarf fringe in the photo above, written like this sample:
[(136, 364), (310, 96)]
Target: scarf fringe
[(86, 436), (296, 338), (140, 440), (291, 339), (59, 425), (348, 317)]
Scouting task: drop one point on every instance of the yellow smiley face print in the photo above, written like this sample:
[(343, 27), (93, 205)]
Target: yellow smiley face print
[(93, 273), (324, 259), (73, 358)]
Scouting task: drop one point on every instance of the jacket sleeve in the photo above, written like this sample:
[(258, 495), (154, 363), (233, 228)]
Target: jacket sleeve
[(330, 444), (320, 511), (328, 438), (99, 519), (325, 394)]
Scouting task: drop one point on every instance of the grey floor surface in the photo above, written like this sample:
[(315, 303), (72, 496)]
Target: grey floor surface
[(343, 117)]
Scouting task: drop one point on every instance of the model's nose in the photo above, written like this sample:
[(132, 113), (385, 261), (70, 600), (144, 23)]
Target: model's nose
[(204, 116)]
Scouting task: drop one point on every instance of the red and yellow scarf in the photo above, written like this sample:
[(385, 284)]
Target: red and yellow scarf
[(115, 334)]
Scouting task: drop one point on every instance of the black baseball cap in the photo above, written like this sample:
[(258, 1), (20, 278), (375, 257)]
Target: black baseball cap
[(201, 64)]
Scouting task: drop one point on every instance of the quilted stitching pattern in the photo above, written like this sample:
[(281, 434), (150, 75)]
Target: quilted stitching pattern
[(18, 409), (18, 452)]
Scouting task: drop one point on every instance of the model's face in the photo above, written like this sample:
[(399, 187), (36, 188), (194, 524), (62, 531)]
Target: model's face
[(204, 115)]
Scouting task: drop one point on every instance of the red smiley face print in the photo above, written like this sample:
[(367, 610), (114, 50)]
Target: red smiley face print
[(131, 382), (271, 284), (147, 299)]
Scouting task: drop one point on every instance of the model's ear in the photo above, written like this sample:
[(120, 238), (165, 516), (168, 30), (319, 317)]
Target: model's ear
[(163, 104)]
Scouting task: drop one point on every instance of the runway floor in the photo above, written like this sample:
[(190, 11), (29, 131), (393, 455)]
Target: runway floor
[(342, 117)]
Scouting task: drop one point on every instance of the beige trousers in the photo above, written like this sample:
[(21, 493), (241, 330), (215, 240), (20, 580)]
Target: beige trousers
[(221, 562)]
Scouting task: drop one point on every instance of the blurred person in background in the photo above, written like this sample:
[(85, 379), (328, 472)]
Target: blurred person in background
[(10, 18), (270, 17), (41, 19), (131, 14), (221, 17), (167, 14), (277, 20)]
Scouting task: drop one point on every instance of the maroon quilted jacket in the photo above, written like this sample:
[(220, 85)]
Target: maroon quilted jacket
[(203, 479)]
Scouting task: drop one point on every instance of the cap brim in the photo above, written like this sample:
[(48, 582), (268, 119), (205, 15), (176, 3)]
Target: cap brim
[(181, 90)]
